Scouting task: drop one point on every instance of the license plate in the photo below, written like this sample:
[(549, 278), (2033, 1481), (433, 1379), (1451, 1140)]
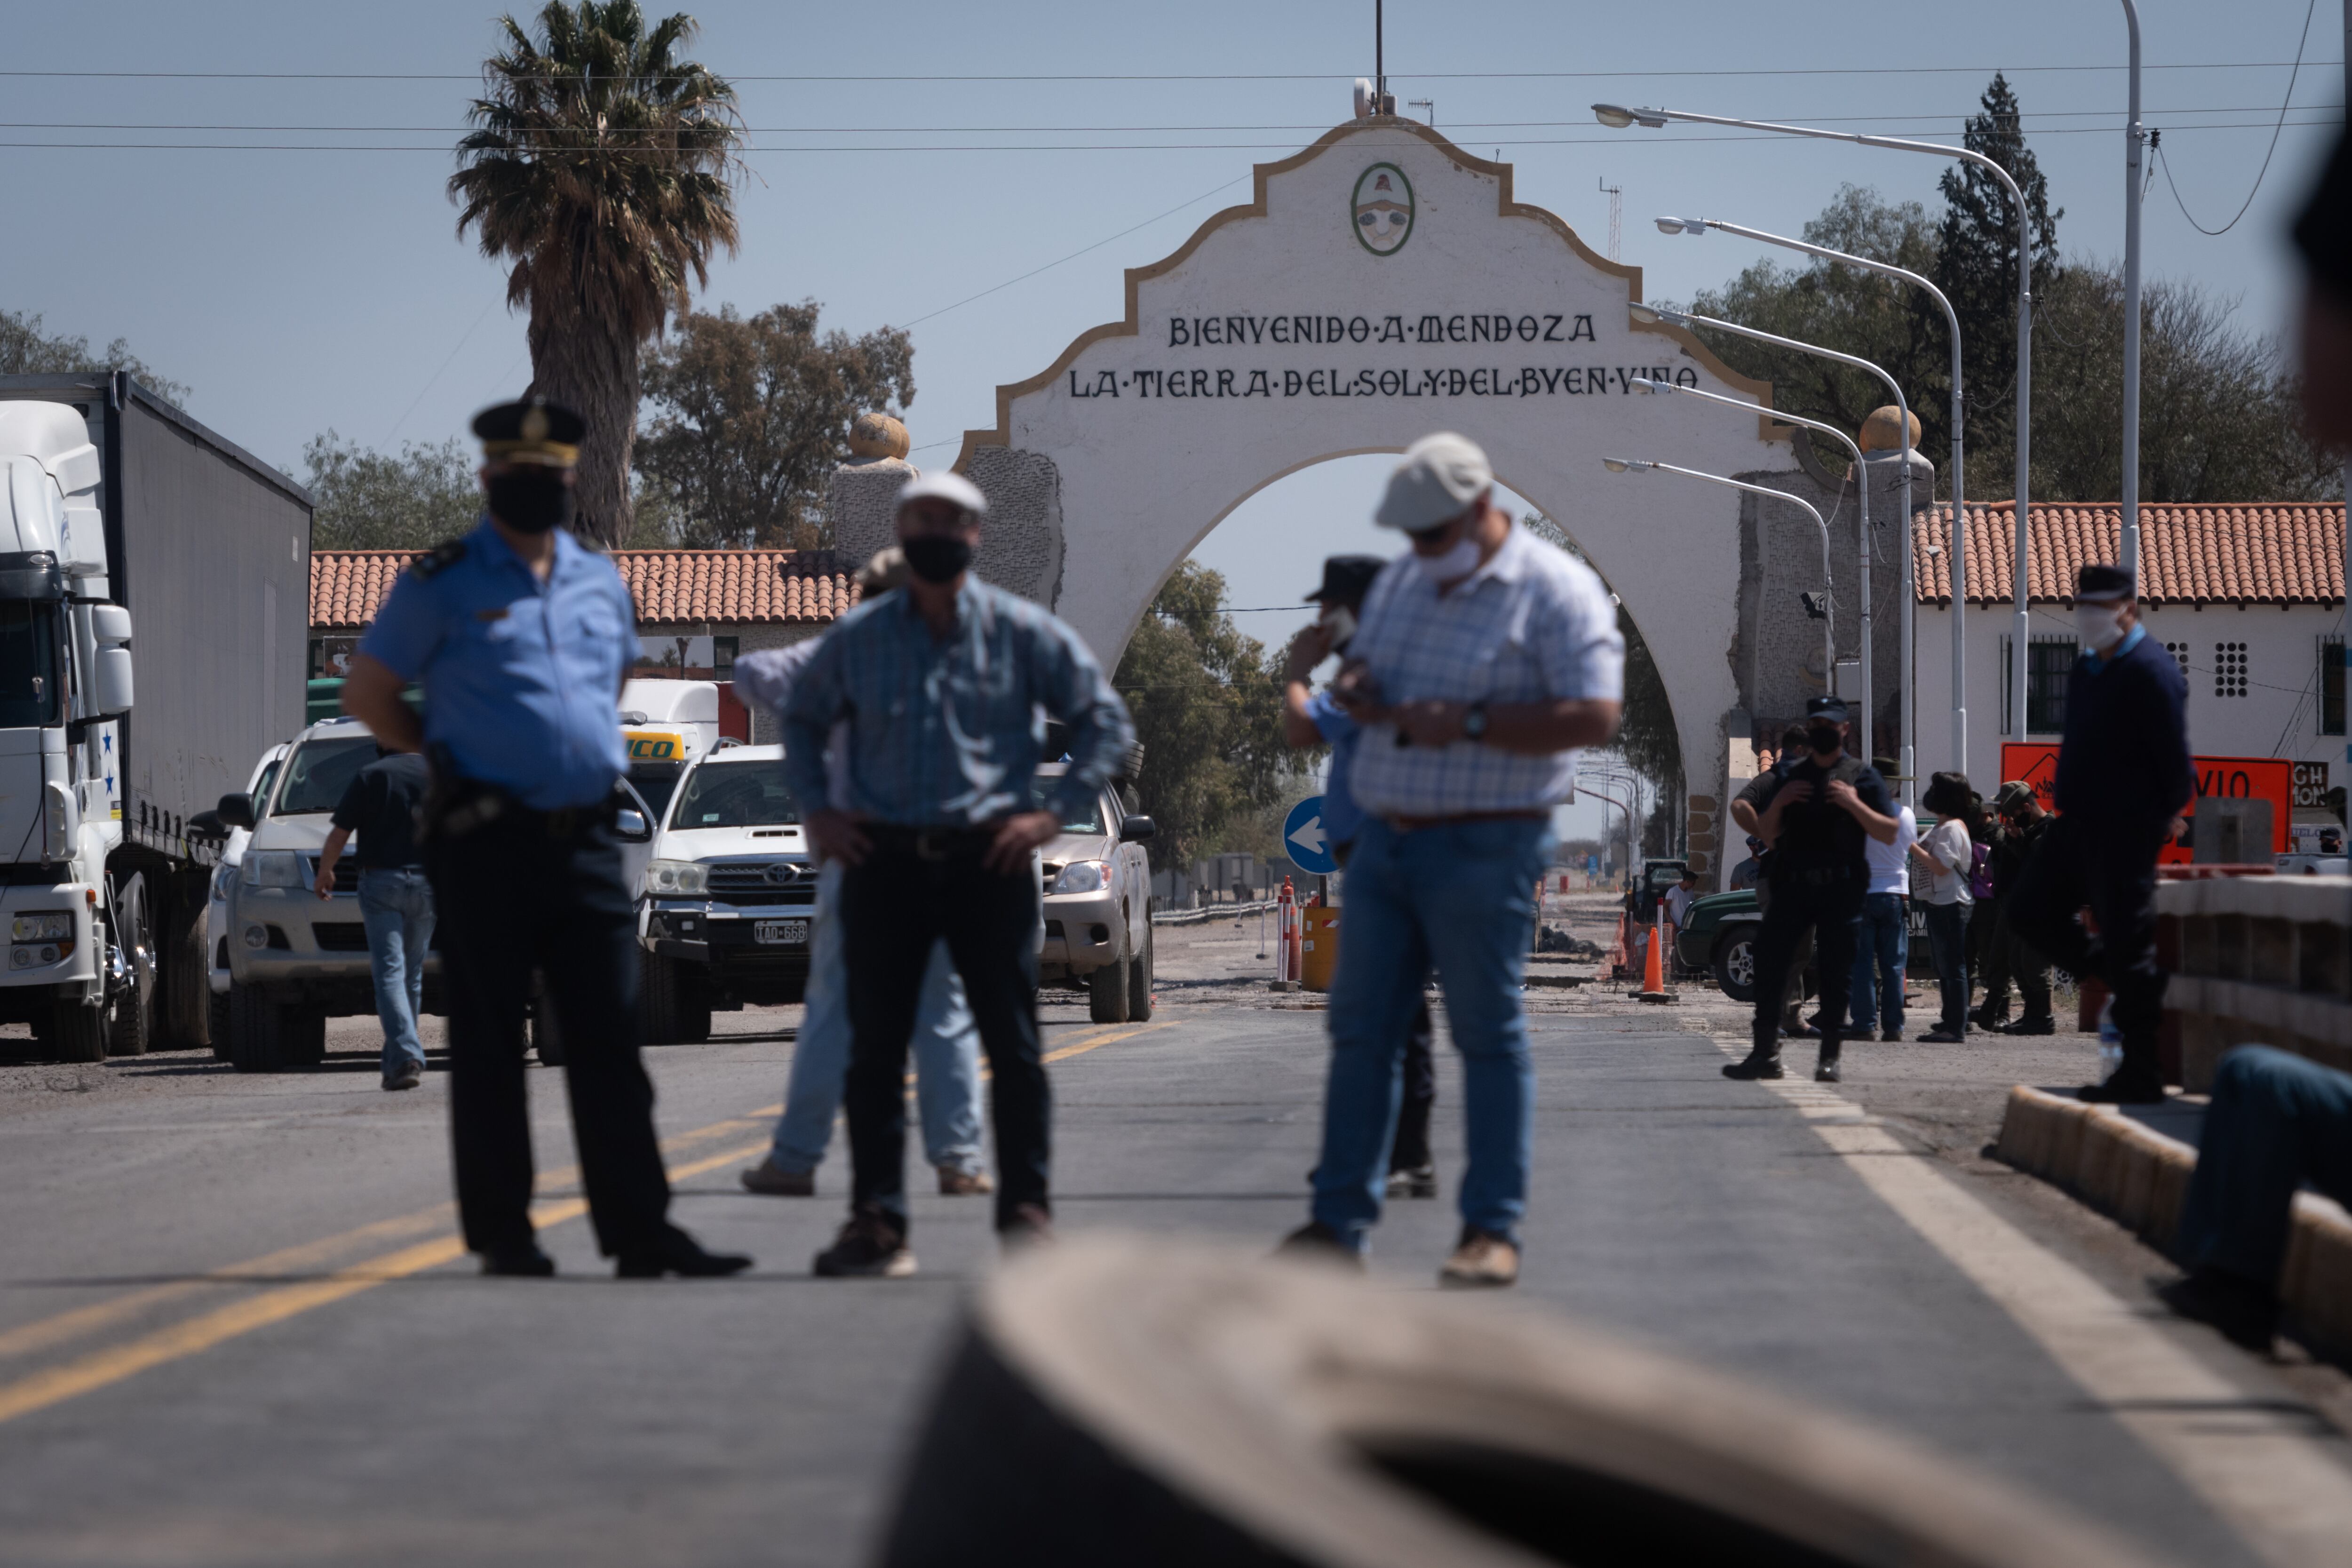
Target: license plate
[(781, 934)]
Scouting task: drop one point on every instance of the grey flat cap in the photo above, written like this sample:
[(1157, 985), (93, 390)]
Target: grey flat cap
[(1440, 476)]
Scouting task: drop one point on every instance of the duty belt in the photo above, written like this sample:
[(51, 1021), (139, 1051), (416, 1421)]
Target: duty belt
[(931, 843)]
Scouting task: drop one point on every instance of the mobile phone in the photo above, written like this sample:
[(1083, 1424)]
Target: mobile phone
[(1341, 621)]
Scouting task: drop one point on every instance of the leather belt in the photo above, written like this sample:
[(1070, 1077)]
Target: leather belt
[(1415, 824), (931, 843)]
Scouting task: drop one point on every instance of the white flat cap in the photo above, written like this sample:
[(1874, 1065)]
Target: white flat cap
[(1440, 476), (953, 487)]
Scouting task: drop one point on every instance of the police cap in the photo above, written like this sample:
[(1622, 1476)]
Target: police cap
[(2098, 584), (1829, 708), (531, 431)]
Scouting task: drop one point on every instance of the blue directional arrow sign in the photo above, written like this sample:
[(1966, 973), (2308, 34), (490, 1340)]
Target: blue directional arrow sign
[(1303, 836)]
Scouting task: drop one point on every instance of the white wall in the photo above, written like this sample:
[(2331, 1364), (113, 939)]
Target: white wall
[(2277, 717)]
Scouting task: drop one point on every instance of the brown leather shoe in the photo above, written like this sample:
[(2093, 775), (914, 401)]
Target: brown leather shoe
[(955, 1184), (1481, 1261), (772, 1180), (1028, 1225)]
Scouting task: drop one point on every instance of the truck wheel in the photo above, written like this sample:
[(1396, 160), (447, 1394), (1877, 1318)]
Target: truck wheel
[(694, 1023), (546, 1039), (131, 1027), (660, 1007), (267, 1035), (217, 1024), (1735, 962), (77, 1032), (1139, 980), (186, 988), (1107, 992), (1205, 1408)]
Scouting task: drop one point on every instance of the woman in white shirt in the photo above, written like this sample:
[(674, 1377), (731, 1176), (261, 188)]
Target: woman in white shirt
[(1942, 861), (1882, 949)]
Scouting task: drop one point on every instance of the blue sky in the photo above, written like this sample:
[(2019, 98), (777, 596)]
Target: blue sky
[(299, 290)]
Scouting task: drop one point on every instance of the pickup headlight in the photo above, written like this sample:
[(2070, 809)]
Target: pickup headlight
[(677, 879), (1083, 877), (273, 869), (40, 925)]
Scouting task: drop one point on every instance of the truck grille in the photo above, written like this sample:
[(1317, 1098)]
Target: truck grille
[(764, 882)]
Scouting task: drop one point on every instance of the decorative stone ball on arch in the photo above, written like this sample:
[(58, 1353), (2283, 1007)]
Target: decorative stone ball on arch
[(878, 435), (1878, 431)]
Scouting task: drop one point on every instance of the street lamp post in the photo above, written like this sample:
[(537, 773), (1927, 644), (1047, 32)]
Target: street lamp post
[(1829, 592), (1959, 552), (1861, 484), (1903, 682), (2134, 139), (1618, 117)]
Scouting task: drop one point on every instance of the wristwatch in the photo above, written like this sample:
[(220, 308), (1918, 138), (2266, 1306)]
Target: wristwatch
[(1473, 722)]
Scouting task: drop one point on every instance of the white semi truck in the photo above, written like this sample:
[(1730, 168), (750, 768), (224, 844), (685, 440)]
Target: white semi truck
[(120, 510)]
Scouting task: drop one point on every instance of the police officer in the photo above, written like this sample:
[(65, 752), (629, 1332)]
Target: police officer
[(2023, 822), (2124, 776), (521, 637), (1815, 815)]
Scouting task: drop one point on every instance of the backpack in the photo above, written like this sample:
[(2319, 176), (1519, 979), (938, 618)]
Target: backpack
[(1979, 871)]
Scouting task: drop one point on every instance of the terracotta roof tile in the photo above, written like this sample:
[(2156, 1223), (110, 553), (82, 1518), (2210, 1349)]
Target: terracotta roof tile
[(2264, 552), (724, 588)]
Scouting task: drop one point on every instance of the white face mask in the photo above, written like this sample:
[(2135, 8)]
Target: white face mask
[(1451, 565), (2099, 626)]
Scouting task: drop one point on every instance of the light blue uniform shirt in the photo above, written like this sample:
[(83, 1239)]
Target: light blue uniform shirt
[(520, 677), (1342, 817), (946, 733)]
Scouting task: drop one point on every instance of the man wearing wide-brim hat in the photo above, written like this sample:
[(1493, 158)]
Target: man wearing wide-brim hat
[(520, 636), (2123, 776)]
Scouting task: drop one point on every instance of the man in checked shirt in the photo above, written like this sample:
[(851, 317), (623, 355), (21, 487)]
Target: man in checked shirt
[(938, 690), (1483, 661)]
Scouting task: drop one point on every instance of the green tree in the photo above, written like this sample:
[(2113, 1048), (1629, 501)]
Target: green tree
[(373, 501), (26, 349), (602, 169), (1207, 702), (751, 418), (1976, 266)]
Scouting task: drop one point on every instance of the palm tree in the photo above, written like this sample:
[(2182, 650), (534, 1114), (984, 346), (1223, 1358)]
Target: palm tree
[(602, 167)]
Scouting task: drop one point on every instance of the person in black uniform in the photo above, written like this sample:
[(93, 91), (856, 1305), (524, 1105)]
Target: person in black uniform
[(1815, 815), (2124, 776), (520, 636)]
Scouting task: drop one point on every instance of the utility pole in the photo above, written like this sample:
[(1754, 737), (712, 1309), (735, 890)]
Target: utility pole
[(2135, 141), (1379, 61), (1616, 195)]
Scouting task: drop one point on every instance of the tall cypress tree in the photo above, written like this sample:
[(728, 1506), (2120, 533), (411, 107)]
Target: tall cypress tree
[(1976, 269)]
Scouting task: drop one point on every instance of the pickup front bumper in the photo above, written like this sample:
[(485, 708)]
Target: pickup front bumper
[(1082, 932), (724, 943)]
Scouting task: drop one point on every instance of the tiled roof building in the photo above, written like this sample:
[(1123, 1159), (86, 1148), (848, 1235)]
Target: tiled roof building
[(671, 587), (2254, 552)]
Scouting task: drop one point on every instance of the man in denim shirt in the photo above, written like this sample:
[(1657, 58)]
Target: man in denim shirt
[(938, 689), (380, 805)]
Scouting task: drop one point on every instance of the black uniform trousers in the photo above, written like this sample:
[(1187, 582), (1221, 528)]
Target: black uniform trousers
[(2111, 868), (1830, 903), (1409, 1151), (514, 894), (909, 892)]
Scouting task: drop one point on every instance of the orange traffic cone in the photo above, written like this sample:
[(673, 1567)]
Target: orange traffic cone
[(1654, 978)]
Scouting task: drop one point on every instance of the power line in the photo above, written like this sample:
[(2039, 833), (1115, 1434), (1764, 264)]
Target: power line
[(2155, 143), (1171, 77)]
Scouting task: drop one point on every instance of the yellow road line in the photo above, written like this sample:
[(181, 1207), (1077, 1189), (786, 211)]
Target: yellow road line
[(194, 1335)]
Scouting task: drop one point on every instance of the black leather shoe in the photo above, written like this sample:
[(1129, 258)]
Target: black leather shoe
[(680, 1254), (1759, 1064), (1825, 1070), (2128, 1087), (2245, 1312), (2030, 1026), (525, 1263)]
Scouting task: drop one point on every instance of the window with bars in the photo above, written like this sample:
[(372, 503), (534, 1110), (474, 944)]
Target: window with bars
[(2331, 686), (2048, 661), (2229, 670)]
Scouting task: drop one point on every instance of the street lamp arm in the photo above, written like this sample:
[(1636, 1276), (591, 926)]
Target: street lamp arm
[(1656, 118), (1777, 415)]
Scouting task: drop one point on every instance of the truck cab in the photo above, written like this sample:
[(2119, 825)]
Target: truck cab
[(668, 725), (81, 964)]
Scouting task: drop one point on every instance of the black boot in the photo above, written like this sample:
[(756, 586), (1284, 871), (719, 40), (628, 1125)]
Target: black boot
[(1763, 1062), (1825, 1069)]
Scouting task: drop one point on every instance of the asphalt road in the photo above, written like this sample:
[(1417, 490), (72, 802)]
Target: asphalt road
[(233, 1327)]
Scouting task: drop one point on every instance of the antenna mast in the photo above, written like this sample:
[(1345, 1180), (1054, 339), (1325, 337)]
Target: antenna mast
[(1616, 195)]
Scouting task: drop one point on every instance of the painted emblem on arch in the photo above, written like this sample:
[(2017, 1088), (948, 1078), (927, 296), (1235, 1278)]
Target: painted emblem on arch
[(1381, 215)]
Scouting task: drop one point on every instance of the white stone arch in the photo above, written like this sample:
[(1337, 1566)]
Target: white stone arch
[(1101, 481)]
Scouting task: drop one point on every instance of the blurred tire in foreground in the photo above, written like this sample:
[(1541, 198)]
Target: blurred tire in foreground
[(1129, 1401)]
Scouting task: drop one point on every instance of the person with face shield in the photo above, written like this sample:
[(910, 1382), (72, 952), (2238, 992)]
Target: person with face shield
[(1483, 661), (935, 818), (2124, 776), (520, 636), (1316, 718), (1816, 813)]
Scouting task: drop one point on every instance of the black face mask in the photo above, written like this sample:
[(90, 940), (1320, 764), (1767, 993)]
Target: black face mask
[(936, 557), (530, 501), (1823, 738)]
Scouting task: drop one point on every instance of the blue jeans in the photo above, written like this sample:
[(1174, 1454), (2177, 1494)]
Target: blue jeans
[(1458, 896), (2276, 1121), (1948, 935), (946, 1049), (1882, 949), (397, 908)]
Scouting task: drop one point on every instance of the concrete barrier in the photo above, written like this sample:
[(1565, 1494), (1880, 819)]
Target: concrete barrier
[(2256, 960), (2140, 1176)]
